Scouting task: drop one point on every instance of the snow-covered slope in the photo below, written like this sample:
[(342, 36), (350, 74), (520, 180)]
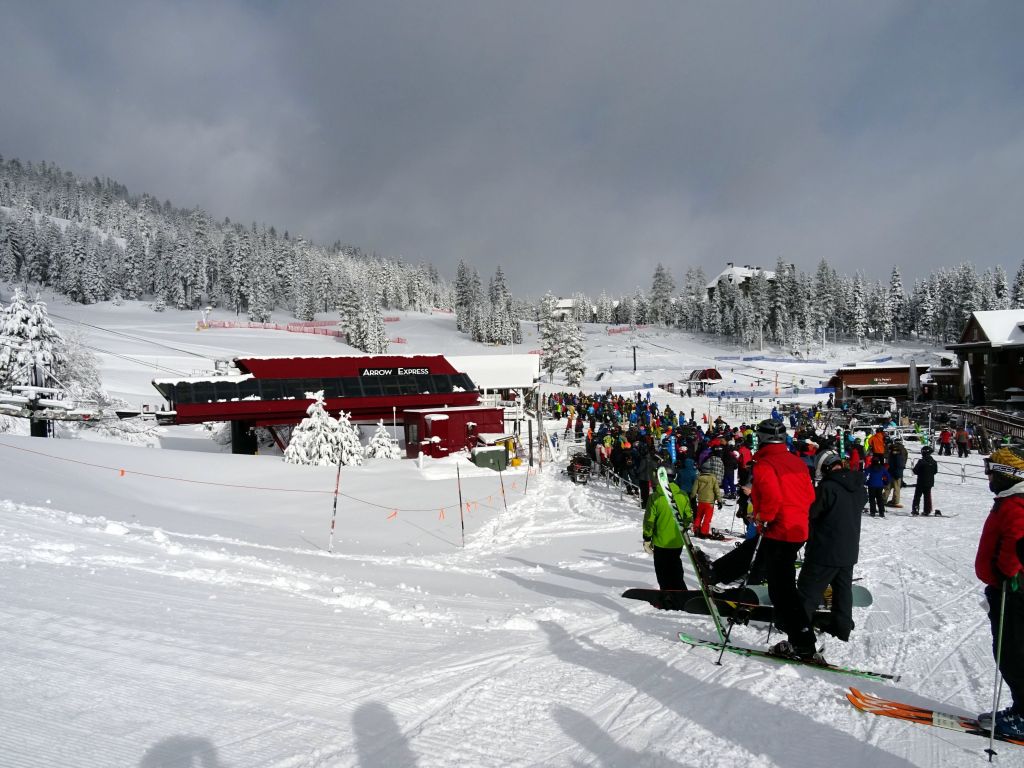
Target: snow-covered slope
[(180, 607)]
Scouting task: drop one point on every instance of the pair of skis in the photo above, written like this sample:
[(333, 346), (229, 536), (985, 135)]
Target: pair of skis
[(911, 713)]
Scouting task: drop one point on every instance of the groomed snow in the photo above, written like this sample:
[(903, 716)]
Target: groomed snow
[(178, 605)]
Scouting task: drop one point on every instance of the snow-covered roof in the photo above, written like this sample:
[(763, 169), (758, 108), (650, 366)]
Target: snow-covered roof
[(499, 371), (236, 378), (455, 408), (864, 368), (1002, 327), (737, 275)]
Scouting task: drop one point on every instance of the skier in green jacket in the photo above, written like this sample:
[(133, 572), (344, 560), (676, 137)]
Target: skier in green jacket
[(662, 536)]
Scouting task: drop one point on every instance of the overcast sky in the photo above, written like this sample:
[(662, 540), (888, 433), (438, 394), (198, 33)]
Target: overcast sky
[(577, 143)]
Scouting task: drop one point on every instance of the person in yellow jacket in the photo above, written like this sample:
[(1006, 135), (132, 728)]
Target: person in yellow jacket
[(662, 533), (708, 492)]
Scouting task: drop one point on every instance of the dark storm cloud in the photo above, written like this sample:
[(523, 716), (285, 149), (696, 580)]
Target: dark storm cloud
[(581, 141)]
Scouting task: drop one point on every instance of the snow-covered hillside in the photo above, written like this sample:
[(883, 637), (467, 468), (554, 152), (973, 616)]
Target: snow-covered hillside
[(177, 606)]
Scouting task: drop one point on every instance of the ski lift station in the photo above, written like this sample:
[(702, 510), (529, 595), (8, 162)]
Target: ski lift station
[(402, 389)]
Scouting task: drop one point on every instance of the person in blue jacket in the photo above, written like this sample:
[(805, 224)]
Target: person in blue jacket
[(876, 478), (687, 475)]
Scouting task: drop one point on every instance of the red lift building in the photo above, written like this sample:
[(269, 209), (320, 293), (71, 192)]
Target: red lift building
[(272, 391)]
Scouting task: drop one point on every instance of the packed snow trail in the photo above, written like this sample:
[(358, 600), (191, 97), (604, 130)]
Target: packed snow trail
[(133, 636)]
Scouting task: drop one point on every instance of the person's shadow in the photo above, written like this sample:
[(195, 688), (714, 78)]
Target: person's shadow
[(738, 717), (379, 740), (181, 752)]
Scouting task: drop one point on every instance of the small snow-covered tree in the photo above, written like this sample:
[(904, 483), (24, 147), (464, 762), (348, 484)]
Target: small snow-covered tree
[(349, 446), (381, 446), (572, 354), (318, 439)]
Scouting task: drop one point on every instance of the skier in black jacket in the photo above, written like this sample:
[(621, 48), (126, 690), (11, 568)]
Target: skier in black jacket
[(833, 544), (925, 469)]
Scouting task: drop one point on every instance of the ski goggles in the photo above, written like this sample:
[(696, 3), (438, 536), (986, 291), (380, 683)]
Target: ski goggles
[(1002, 469)]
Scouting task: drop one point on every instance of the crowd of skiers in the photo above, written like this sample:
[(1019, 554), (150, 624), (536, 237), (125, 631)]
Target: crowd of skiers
[(772, 474), (787, 512)]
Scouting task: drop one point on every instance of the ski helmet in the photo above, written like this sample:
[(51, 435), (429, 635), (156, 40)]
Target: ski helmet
[(1006, 465), (826, 460), (927, 450), (771, 431)]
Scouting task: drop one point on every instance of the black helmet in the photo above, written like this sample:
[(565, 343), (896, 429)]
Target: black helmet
[(927, 450), (771, 431)]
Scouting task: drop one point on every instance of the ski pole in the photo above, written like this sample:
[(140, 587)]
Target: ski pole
[(746, 578), (997, 683), (502, 479), (462, 520)]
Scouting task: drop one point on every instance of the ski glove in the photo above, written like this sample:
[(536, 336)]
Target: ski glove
[(648, 547), (721, 504)]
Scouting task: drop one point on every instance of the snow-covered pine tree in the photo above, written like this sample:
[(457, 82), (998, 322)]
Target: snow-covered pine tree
[(550, 337), (582, 308), (1001, 288), (381, 446), (604, 308), (573, 354), (858, 309), (351, 450), (1017, 292), (897, 303), (318, 439), (641, 308), (663, 288)]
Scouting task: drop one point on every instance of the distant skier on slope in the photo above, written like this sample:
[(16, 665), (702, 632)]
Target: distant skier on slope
[(999, 563), (662, 536)]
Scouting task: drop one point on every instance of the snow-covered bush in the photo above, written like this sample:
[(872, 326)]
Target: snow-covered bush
[(318, 439), (381, 445), (351, 448), (159, 305)]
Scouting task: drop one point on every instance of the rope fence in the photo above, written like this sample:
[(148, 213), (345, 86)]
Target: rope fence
[(391, 508)]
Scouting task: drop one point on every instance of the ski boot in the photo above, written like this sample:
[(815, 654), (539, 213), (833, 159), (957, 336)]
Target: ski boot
[(703, 566), (786, 650)]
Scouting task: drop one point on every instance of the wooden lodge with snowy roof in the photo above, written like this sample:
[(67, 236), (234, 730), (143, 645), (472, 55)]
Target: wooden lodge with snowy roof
[(992, 348)]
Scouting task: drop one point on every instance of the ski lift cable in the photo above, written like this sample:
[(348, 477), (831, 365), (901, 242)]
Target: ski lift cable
[(732, 363), (131, 359), (130, 336)]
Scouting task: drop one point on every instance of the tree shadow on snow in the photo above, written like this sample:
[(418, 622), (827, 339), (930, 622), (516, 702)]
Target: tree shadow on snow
[(181, 752), (590, 736), (736, 716), (379, 740)]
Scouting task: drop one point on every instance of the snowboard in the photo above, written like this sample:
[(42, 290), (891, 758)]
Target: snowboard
[(861, 595), (676, 599)]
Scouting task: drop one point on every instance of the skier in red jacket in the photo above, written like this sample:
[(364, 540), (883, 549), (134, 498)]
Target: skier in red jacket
[(1000, 564), (782, 494)]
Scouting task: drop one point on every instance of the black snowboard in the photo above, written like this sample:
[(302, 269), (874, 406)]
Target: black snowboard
[(677, 599)]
